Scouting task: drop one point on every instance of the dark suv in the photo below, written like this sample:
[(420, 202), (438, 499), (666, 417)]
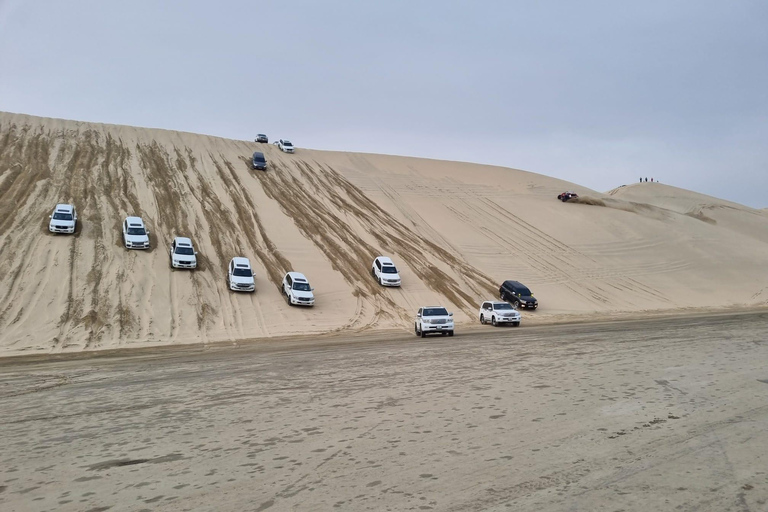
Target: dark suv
[(259, 162), (518, 295)]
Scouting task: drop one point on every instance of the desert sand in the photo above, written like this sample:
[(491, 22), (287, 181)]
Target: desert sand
[(455, 230)]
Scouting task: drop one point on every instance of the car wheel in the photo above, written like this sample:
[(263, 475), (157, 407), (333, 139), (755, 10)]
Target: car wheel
[(423, 334), (482, 319), (416, 329), (450, 333), (493, 321), (516, 304), (443, 333), (516, 324)]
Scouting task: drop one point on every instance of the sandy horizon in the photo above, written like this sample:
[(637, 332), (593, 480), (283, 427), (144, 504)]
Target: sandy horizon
[(455, 230)]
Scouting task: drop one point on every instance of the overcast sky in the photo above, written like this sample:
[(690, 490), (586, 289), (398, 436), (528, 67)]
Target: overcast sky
[(595, 92)]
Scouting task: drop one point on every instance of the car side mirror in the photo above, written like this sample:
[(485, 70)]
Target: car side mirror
[(311, 289), (195, 253), (147, 232), (418, 315), (450, 314), (50, 216)]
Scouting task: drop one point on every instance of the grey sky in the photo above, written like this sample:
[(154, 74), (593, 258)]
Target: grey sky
[(594, 92)]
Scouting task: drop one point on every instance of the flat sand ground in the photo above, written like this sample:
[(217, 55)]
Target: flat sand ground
[(668, 414)]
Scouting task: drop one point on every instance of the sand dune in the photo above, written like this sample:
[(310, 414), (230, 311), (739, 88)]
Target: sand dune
[(456, 230)]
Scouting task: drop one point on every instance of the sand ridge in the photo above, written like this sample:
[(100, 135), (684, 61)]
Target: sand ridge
[(456, 230)]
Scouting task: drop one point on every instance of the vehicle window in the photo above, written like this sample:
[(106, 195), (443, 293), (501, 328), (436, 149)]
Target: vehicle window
[(136, 231), (287, 143), (289, 280), (62, 216), (185, 251), (302, 287), (502, 306), (419, 312), (435, 312), (242, 272), (378, 265), (523, 291), (389, 269)]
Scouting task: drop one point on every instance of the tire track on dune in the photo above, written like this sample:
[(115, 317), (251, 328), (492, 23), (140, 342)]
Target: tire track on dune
[(313, 196), (24, 162)]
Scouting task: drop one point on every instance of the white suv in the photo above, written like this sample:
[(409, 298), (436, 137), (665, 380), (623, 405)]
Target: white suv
[(499, 313), (433, 319), (385, 272), (63, 219), (240, 275), (183, 255), (297, 289), (285, 146), (135, 234)]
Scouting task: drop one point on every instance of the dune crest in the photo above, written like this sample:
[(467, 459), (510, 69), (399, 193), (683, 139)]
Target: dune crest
[(455, 230)]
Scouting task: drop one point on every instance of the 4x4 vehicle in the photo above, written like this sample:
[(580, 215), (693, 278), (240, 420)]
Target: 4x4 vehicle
[(262, 138), (183, 255), (63, 219), (433, 319), (135, 234), (240, 275), (296, 288), (499, 313), (285, 146), (565, 196), (258, 161), (385, 272), (518, 295)]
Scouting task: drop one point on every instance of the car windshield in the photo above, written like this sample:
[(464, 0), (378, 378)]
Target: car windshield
[(258, 157), (185, 250), (502, 306), (525, 292), (287, 143), (136, 231), (62, 216), (389, 269), (434, 312), (302, 287), (242, 272)]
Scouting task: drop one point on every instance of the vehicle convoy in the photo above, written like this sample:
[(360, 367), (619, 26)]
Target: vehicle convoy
[(285, 146), (258, 161), (135, 234), (240, 275), (297, 290), (183, 255), (385, 272), (260, 137), (498, 313), (518, 295), (433, 319), (565, 196), (63, 219)]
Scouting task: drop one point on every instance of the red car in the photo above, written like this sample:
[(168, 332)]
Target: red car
[(565, 196)]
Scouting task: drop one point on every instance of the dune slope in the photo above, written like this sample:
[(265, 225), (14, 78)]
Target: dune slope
[(456, 230)]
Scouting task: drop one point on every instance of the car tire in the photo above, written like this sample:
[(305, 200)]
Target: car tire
[(415, 329), (493, 321), (423, 334), (515, 324), (482, 319), (450, 333)]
